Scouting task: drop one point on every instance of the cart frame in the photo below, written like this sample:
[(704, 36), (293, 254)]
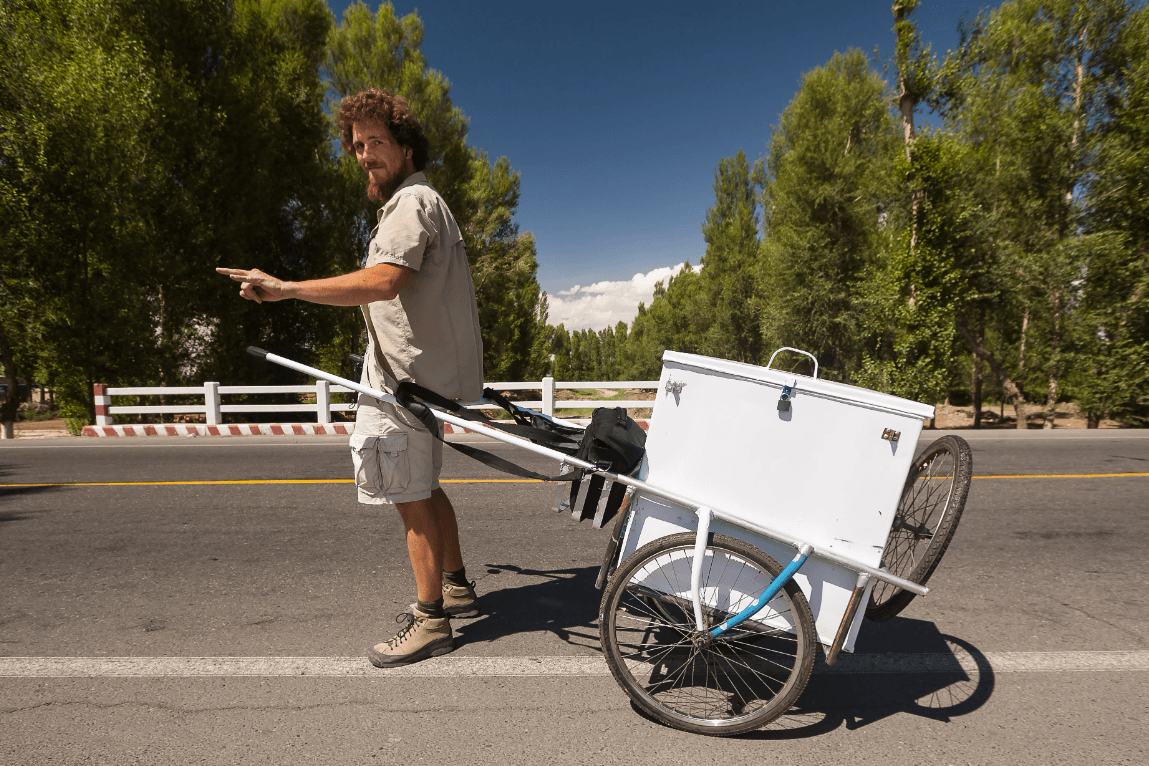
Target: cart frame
[(704, 513)]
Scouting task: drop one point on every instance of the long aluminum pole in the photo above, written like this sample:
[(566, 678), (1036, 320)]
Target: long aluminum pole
[(693, 505)]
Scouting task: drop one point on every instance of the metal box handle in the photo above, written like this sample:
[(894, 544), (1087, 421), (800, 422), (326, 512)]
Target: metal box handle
[(798, 350)]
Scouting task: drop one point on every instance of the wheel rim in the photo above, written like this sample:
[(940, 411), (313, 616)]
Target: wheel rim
[(921, 511), (718, 682)]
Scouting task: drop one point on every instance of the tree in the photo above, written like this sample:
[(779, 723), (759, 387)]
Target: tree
[(77, 101), (1111, 372), (382, 50), (730, 328), (715, 311), (142, 145), (670, 323), (929, 266), (828, 184), (1029, 89)]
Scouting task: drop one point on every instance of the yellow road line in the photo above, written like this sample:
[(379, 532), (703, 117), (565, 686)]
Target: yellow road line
[(484, 481), (1061, 476)]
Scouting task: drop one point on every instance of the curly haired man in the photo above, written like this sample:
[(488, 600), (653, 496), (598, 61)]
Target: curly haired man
[(418, 301)]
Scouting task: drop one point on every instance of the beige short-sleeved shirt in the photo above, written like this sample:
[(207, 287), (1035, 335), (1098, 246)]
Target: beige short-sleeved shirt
[(429, 333)]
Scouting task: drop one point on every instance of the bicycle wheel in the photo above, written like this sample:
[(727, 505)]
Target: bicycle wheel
[(927, 516), (731, 684)]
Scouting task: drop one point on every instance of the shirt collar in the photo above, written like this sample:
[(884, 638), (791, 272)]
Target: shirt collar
[(417, 177)]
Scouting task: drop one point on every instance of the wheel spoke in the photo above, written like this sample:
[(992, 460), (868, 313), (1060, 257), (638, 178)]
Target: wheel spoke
[(924, 522)]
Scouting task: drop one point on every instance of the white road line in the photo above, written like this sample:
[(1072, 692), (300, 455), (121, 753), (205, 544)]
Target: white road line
[(486, 667)]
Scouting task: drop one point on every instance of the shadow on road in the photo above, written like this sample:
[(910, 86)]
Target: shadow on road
[(564, 603), (10, 493), (834, 698)]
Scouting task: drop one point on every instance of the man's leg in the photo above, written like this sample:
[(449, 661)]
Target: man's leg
[(429, 632), (448, 530), (459, 599), (432, 542)]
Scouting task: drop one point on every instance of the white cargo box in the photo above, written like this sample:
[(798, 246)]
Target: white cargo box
[(828, 471)]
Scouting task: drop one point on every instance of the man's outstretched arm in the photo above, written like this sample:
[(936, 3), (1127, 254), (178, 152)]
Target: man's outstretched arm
[(381, 282)]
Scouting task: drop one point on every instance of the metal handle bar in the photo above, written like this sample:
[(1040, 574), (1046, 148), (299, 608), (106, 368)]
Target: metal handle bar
[(798, 350), (468, 425)]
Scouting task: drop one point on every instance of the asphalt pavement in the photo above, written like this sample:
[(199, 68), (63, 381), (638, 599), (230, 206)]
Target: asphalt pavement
[(125, 562)]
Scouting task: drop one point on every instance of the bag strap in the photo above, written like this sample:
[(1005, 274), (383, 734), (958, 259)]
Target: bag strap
[(408, 394), (409, 391)]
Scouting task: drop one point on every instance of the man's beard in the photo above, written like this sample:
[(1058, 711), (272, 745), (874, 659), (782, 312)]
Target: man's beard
[(382, 191)]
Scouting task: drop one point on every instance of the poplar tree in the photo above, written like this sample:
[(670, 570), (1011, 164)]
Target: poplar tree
[(382, 50), (729, 327), (827, 193)]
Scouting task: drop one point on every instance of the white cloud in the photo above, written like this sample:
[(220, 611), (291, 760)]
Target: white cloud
[(605, 304)]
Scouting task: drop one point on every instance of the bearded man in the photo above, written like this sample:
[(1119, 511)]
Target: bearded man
[(418, 301)]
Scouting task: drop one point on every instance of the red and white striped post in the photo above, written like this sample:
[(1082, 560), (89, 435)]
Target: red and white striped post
[(103, 403)]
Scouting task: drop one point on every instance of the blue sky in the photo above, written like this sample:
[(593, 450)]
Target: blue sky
[(616, 113)]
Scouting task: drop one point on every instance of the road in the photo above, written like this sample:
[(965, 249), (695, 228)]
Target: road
[(1041, 596)]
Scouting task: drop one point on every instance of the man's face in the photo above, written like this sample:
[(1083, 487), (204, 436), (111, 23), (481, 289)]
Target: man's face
[(387, 163)]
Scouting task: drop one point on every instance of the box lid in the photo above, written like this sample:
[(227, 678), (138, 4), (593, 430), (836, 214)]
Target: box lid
[(804, 384)]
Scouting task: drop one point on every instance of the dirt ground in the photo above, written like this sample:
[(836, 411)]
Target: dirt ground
[(1068, 416), (40, 429)]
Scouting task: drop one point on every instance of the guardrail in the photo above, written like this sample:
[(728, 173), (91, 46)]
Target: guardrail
[(214, 409)]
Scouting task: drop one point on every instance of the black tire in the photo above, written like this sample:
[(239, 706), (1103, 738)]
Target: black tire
[(732, 684), (928, 513), (610, 555)]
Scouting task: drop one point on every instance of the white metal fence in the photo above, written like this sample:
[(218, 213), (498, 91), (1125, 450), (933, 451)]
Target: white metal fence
[(214, 409)]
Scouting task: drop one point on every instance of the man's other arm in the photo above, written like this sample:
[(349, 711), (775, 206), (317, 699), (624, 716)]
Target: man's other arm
[(381, 282)]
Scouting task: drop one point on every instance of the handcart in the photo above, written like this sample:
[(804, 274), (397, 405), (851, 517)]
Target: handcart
[(746, 467)]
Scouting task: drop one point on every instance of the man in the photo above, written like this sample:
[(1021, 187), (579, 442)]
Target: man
[(418, 301)]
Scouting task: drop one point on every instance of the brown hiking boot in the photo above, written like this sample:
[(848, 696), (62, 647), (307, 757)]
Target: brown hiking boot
[(422, 637), (460, 600)]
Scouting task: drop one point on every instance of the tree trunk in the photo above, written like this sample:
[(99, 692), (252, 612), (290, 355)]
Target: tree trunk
[(907, 100), (1021, 352), (11, 402), (1007, 385), (977, 371), (1054, 365)]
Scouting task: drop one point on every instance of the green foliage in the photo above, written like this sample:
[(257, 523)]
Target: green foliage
[(503, 268), (729, 324), (1111, 371), (829, 176), (1031, 92), (669, 323), (911, 297)]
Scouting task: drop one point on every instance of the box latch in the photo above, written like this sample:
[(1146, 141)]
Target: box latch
[(891, 435), (787, 395)]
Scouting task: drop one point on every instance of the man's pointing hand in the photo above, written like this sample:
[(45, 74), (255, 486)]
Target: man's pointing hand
[(256, 285)]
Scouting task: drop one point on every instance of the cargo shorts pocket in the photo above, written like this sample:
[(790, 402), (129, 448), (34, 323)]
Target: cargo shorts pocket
[(381, 463)]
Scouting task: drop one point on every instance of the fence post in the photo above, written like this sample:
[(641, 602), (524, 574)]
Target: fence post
[(322, 401), (211, 400), (103, 402), (549, 396)]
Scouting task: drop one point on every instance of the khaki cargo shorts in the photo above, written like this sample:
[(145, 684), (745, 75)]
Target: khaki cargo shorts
[(397, 460)]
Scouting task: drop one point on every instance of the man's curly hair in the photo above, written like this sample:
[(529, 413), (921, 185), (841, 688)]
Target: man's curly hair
[(392, 111)]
